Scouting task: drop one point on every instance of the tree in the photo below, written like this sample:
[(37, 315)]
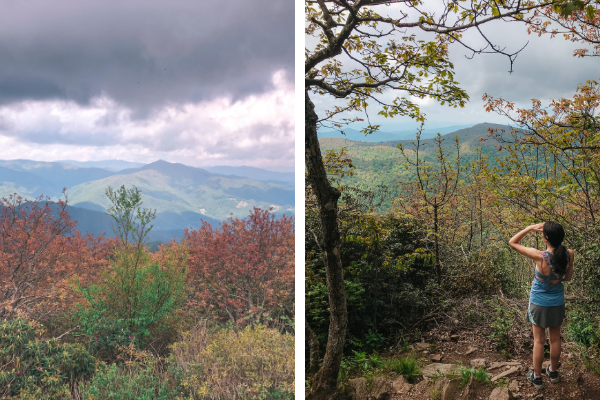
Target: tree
[(39, 250), (434, 188), (577, 20), (140, 290), (352, 32), (243, 270)]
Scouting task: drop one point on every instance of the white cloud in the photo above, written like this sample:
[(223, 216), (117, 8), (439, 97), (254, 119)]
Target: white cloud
[(257, 130)]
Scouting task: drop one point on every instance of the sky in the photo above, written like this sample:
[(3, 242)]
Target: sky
[(545, 69), (203, 83)]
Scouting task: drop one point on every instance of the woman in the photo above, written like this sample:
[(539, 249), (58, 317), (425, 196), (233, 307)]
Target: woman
[(547, 298)]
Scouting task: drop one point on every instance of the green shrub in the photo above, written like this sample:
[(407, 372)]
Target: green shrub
[(406, 366), (479, 374), (251, 363), (128, 382), (36, 367), (581, 328), (137, 294)]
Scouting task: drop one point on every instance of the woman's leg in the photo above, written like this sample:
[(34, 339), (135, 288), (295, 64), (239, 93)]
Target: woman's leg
[(539, 339), (554, 333)]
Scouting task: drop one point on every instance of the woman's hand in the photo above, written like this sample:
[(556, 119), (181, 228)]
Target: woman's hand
[(537, 227)]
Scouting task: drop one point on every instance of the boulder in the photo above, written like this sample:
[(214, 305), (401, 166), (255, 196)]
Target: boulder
[(505, 373), (478, 362), (504, 364), (381, 388), (514, 386), (446, 387), (501, 394), (421, 346), (400, 386), (432, 370), (359, 389), (468, 392)]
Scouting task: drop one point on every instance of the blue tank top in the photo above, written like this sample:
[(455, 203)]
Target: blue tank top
[(543, 293)]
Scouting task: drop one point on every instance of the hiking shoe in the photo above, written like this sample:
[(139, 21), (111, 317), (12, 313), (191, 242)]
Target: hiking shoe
[(554, 378), (537, 382)]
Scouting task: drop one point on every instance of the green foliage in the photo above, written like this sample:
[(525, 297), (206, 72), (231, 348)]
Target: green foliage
[(502, 324), (582, 329), (374, 340), (388, 280), (130, 220), (131, 382), (406, 366), (36, 367), (250, 363), (106, 336), (140, 297), (478, 374)]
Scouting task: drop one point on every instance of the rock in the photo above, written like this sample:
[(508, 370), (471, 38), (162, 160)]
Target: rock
[(514, 386), (431, 370), (468, 392), (421, 346), (478, 362), (504, 364), (436, 358), (505, 373), (381, 388), (359, 387), (545, 365), (400, 386), (501, 394), (470, 350), (446, 387)]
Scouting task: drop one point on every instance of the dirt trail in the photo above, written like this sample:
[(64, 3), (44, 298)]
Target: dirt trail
[(454, 342), (576, 381)]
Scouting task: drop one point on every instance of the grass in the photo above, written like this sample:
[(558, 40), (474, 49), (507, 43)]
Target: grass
[(478, 374), (405, 366)]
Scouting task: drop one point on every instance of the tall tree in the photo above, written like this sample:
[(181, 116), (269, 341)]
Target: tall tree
[(434, 187), (39, 250), (357, 54), (244, 268)]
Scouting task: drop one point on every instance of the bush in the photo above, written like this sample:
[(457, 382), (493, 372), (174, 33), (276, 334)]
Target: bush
[(250, 363), (406, 366), (137, 381), (138, 293), (581, 328), (39, 368)]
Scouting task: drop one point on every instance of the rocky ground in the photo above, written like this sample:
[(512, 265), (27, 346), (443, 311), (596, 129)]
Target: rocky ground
[(444, 348)]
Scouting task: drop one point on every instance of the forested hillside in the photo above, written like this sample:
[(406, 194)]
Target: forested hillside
[(183, 196), (83, 315), (382, 164)]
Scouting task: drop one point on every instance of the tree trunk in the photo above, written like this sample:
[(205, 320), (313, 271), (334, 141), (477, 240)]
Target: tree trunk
[(438, 269), (313, 346), (325, 381)]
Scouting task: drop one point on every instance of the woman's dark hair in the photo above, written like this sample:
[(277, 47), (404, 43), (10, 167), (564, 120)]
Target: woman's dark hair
[(554, 233)]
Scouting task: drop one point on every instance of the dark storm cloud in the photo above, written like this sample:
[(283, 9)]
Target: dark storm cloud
[(142, 53)]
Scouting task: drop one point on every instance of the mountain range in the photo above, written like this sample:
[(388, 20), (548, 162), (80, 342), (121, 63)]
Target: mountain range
[(381, 136), (183, 196), (380, 164)]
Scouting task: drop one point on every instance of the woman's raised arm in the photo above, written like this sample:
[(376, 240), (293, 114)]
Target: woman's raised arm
[(529, 252)]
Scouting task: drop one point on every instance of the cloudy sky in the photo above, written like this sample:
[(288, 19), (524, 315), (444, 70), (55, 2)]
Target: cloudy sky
[(544, 70), (198, 82)]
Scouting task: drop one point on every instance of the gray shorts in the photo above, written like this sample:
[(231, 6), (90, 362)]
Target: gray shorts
[(546, 316)]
